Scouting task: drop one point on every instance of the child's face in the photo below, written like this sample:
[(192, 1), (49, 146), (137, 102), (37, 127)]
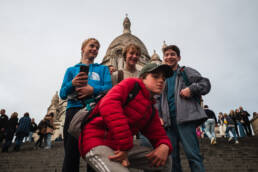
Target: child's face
[(171, 58), (132, 57), (90, 50), (155, 82)]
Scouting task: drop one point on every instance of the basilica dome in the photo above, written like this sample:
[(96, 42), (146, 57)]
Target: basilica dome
[(114, 52)]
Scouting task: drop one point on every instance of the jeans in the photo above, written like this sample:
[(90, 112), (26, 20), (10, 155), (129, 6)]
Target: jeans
[(209, 128), (240, 129), (233, 131), (18, 140), (186, 134), (30, 136), (48, 140)]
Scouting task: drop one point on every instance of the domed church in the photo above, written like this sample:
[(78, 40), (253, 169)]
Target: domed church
[(114, 52)]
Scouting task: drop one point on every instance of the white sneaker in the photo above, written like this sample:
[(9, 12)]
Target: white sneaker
[(213, 141), (237, 142), (230, 138)]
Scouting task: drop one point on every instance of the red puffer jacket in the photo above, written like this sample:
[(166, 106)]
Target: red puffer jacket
[(116, 124)]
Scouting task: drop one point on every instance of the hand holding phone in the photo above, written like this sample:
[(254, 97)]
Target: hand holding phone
[(84, 69), (81, 79)]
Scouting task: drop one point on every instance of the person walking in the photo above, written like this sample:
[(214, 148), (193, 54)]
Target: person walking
[(49, 129), (33, 128), (42, 128), (246, 122), (210, 124), (3, 125), (12, 124), (22, 131), (230, 128), (222, 127)]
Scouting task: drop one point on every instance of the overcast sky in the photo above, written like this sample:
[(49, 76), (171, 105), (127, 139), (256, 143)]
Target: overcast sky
[(39, 39)]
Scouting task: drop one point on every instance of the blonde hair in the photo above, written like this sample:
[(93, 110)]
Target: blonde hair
[(15, 114), (85, 42), (133, 47)]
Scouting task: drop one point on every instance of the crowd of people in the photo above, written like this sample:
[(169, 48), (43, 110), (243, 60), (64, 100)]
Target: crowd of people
[(234, 125), (140, 121), (22, 130)]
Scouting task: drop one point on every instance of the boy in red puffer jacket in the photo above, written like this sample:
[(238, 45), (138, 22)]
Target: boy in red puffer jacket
[(106, 142)]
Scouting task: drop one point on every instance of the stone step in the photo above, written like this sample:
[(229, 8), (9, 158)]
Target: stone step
[(220, 157)]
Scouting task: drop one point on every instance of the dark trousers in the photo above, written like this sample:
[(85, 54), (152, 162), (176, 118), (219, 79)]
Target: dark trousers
[(247, 129), (72, 155), (39, 142), (2, 136), (8, 141), (19, 138)]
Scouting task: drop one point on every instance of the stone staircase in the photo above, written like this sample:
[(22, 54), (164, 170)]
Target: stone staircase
[(222, 157)]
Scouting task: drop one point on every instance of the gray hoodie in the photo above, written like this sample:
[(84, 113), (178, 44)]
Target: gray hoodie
[(187, 109)]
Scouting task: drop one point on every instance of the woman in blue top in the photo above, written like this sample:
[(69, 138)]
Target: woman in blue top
[(77, 87)]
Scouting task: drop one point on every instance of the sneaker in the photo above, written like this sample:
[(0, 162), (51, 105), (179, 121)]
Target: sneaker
[(47, 147), (237, 142), (213, 141), (230, 139)]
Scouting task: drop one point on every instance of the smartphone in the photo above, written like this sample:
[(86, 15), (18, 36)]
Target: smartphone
[(84, 68)]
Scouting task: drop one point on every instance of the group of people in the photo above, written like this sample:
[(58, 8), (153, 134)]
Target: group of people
[(160, 103), (234, 125), (23, 129)]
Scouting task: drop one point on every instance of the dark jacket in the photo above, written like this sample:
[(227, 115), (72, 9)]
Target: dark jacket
[(42, 127), (11, 127), (230, 122), (245, 115), (33, 127), (3, 121), (24, 125), (210, 114)]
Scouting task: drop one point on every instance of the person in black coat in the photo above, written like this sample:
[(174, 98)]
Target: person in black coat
[(42, 128), (33, 128), (246, 123), (210, 124), (3, 124), (10, 130)]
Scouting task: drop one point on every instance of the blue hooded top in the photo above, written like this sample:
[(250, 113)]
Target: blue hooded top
[(99, 78)]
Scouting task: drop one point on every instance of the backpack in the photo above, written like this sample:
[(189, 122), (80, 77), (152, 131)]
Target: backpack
[(187, 83), (120, 76), (84, 116)]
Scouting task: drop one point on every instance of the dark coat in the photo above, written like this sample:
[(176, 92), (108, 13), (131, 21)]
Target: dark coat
[(11, 128), (3, 121)]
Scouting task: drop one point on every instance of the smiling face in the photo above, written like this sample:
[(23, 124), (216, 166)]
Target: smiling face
[(132, 57), (171, 58), (90, 50), (154, 82)]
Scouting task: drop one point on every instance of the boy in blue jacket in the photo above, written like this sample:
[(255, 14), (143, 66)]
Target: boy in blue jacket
[(78, 87)]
